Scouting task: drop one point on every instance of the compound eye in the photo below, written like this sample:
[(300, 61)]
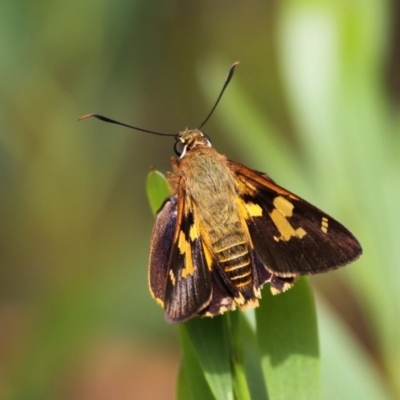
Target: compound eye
[(179, 147)]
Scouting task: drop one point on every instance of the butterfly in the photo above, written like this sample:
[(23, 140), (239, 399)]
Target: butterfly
[(226, 230)]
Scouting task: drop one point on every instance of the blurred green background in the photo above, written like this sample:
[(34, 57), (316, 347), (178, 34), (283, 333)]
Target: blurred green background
[(314, 103)]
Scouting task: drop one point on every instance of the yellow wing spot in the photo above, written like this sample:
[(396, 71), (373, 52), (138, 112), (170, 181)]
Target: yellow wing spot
[(224, 309), (254, 210), (186, 251), (221, 310), (275, 291), (189, 268), (286, 286), (157, 299), (208, 257), (243, 211), (239, 299), (159, 302), (193, 233), (182, 242), (249, 209), (172, 277), (283, 210), (253, 303), (324, 225)]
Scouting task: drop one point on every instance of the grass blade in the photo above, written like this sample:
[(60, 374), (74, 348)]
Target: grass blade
[(288, 340)]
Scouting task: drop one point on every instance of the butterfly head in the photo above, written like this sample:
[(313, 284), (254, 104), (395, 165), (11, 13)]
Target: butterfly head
[(189, 139)]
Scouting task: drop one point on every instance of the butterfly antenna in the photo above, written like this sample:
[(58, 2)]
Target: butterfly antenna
[(228, 79), (112, 121)]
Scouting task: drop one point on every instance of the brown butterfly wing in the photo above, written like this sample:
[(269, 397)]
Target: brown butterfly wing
[(179, 275), (290, 236)]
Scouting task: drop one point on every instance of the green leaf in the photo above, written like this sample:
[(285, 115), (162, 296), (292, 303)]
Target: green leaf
[(157, 189), (210, 340), (288, 339), (235, 339), (192, 384), (183, 390), (247, 375)]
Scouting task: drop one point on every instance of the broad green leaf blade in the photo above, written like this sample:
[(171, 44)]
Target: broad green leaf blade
[(288, 339), (210, 340), (183, 389), (157, 189), (192, 384), (239, 381), (247, 375)]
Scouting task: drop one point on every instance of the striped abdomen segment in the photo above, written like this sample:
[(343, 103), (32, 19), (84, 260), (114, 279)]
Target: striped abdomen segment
[(233, 255)]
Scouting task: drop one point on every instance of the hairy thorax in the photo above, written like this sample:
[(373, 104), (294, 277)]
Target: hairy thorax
[(211, 187)]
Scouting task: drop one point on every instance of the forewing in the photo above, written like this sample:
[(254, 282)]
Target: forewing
[(188, 280), (290, 236)]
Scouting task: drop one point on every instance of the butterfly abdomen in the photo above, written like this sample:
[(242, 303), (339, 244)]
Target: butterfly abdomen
[(233, 256)]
